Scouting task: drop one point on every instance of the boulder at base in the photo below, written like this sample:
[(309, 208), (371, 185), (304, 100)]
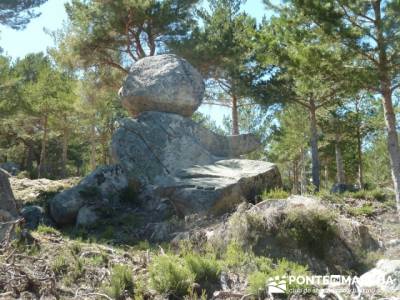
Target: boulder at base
[(165, 83), (385, 276), (219, 187), (162, 144), (102, 186), (8, 209)]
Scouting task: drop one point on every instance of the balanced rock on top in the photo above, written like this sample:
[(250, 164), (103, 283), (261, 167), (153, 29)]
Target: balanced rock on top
[(164, 83)]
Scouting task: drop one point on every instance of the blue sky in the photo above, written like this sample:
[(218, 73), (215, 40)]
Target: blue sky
[(34, 39)]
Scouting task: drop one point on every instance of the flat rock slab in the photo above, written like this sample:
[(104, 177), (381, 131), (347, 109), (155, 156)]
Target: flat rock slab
[(165, 83), (219, 187)]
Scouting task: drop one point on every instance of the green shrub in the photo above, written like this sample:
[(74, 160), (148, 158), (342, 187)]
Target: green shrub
[(108, 233), (326, 195), (169, 275), (43, 229), (257, 283), (205, 269), (23, 175), (258, 280), (361, 194), (236, 257), (379, 195), (312, 229), (372, 195), (367, 209), (121, 282), (275, 194), (60, 265)]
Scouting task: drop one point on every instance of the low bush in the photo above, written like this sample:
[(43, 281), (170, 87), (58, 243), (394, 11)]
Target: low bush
[(205, 269), (312, 229), (259, 280), (275, 194), (43, 229), (367, 209), (170, 275), (121, 282)]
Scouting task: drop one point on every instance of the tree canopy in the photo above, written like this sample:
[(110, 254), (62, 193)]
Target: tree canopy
[(118, 33), (18, 13)]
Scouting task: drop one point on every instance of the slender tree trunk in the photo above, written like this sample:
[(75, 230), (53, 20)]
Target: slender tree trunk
[(314, 147), (303, 180), (392, 141), (30, 156), (296, 177), (386, 90), (360, 160), (326, 175), (93, 147), (339, 161), (64, 158), (235, 118), (43, 154)]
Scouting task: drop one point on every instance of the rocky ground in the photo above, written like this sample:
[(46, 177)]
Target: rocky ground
[(127, 254)]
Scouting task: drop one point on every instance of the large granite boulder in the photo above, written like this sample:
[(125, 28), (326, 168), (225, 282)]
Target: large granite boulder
[(300, 229), (165, 83), (219, 187), (160, 144), (102, 187), (8, 209)]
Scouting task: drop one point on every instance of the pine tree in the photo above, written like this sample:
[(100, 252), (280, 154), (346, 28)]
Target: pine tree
[(222, 49), (118, 33), (18, 13), (370, 30), (292, 43)]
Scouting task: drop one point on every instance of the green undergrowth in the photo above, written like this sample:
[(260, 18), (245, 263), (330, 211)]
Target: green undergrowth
[(313, 230), (121, 283), (175, 274), (377, 194), (275, 194), (367, 209)]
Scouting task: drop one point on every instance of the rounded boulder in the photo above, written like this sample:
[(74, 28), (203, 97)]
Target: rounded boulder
[(164, 83)]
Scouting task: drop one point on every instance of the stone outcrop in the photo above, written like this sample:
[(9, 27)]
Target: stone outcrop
[(102, 186), (300, 229), (8, 209), (171, 158), (161, 144), (165, 83), (219, 187)]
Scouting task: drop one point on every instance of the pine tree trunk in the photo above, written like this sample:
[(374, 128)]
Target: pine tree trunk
[(93, 147), (339, 161), (314, 147), (360, 160), (235, 118), (30, 156), (64, 152), (392, 141), (386, 90), (303, 180), (42, 166), (295, 187)]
